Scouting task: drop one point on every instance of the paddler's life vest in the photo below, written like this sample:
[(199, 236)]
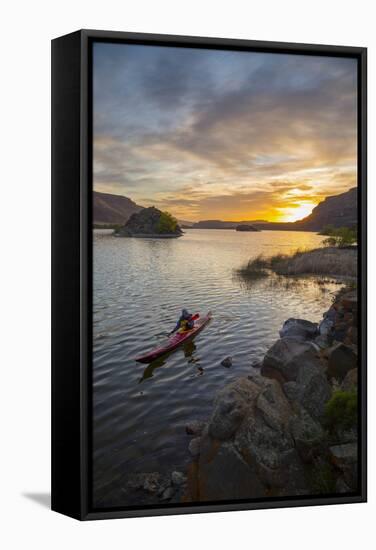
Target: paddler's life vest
[(185, 325)]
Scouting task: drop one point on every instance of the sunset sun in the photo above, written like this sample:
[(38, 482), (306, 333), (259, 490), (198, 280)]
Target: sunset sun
[(296, 211)]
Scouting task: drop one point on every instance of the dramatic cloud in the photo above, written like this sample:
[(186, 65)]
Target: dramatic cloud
[(219, 134)]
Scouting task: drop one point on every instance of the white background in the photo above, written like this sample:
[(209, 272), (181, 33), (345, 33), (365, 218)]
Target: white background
[(27, 27)]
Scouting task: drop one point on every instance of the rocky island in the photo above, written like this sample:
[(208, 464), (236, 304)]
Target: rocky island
[(150, 223), (246, 228)]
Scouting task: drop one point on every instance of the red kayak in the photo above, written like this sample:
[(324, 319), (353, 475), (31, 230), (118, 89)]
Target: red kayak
[(175, 341)]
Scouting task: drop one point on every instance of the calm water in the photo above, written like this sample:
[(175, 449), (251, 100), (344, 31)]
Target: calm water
[(140, 286)]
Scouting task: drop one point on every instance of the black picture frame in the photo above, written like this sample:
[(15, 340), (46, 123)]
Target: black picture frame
[(72, 270)]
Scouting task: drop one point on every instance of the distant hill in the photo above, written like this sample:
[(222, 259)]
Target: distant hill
[(185, 223), (338, 210), (112, 209), (219, 224)]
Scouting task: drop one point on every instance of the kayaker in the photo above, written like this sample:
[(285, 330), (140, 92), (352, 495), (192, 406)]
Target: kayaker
[(185, 322)]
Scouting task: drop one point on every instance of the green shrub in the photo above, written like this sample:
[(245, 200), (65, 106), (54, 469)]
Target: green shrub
[(167, 223), (343, 236), (341, 411)]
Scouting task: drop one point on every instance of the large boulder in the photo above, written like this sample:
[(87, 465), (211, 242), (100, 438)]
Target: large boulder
[(248, 450), (273, 406), (225, 475), (230, 407), (341, 359), (308, 435), (271, 453), (313, 389), (286, 357), (299, 329)]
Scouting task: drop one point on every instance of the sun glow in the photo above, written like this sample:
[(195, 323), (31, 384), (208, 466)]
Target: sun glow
[(296, 211)]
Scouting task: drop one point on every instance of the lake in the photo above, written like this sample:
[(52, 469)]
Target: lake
[(140, 287)]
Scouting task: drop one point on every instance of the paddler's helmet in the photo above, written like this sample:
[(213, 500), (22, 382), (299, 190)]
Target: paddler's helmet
[(185, 314)]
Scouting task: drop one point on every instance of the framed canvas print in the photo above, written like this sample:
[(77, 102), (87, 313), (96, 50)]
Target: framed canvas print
[(209, 274)]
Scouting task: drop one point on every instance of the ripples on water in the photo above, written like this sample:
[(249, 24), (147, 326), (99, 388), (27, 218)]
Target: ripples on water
[(140, 286)]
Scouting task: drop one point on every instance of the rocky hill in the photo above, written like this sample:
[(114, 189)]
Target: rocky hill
[(338, 210), (112, 209), (150, 222)]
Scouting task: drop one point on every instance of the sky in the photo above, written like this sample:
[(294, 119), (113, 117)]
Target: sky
[(211, 134)]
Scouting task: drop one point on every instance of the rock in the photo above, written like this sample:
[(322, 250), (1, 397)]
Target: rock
[(341, 486), (194, 447), (343, 455), (349, 435), (350, 381), (147, 481), (227, 362), (345, 458), (351, 338), (349, 301), (286, 357), (339, 331), (248, 448), (307, 433), (168, 493), (326, 326), (178, 478), (330, 314), (291, 390), (341, 359), (230, 407), (273, 406), (272, 455), (314, 389), (225, 475), (322, 342), (150, 486), (298, 328), (264, 441), (195, 427)]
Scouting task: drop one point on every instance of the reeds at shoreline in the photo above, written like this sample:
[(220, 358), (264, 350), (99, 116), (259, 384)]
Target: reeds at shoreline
[(328, 261)]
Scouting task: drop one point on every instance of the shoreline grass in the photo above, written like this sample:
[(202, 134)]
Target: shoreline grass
[(328, 261)]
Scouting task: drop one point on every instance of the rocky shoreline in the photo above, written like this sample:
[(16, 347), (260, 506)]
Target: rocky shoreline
[(287, 429)]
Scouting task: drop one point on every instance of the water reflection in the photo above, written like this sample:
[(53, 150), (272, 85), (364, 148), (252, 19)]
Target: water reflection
[(140, 287)]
